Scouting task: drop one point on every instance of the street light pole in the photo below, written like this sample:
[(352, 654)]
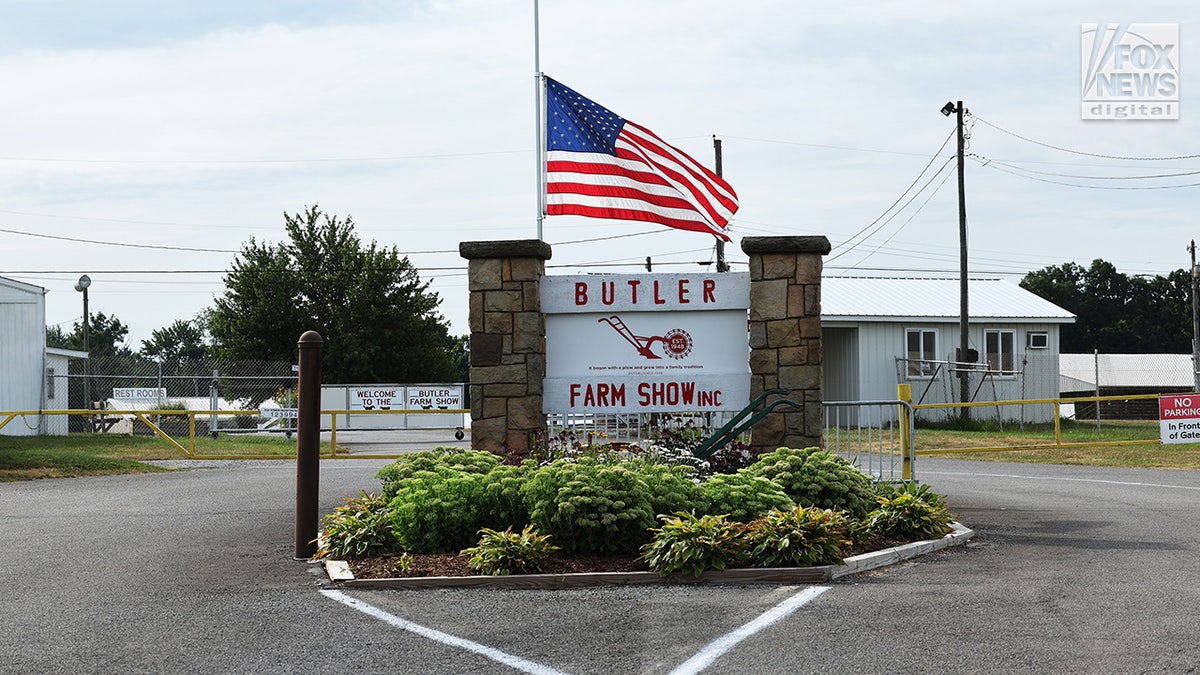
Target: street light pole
[(964, 333), (82, 287), (1195, 325)]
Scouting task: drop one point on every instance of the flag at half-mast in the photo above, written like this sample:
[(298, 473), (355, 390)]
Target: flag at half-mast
[(601, 165)]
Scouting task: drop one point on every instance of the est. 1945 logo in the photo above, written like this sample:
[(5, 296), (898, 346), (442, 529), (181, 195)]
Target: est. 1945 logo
[(1130, 71)]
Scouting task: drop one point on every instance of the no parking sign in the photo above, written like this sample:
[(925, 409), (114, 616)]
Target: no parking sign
[(1179, 418)]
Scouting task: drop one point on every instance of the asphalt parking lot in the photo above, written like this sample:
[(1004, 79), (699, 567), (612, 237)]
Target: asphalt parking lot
[(1073, 569)]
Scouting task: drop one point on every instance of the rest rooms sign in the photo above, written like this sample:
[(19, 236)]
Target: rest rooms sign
[(1179, 418), (646, 343), (139, 394)]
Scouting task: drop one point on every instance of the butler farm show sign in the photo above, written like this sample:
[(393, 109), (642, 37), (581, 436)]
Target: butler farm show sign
[(624, 343)]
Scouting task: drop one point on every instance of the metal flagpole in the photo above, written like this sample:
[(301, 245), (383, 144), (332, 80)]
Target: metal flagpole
[(540, 155)]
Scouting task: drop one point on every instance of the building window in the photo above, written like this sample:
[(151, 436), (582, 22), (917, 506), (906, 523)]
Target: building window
[(1037, 340), (49, 384), (921, 348), (999, 346)]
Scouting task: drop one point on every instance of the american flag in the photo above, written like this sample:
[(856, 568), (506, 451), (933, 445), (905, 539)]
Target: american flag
[(601, 165)]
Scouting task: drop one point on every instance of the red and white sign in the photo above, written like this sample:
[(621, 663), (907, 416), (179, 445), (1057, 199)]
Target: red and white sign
[(1179, 418), (644, 292), (646, 343)]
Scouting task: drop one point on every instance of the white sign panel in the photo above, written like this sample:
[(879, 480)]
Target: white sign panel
[(644, 292), (646, 343), (1130, 71), (376, 398), (1179, 418), (433, 397), (139, 394), (647, 393)]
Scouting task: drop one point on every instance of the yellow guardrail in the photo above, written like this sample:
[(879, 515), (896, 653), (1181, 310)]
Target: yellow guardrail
[(333, 446), (189, 451), (1058, 440)]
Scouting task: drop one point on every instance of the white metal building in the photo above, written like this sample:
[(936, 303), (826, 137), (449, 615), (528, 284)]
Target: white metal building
[(880, 332), (54, 393), (22, 352)]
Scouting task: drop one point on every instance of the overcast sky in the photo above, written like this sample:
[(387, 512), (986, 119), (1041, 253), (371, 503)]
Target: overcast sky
[(144, 142)]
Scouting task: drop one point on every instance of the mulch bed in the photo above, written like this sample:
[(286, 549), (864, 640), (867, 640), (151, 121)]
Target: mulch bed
[(455, 565)]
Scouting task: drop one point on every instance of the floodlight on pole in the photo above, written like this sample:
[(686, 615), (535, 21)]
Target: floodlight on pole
[(82, 287)]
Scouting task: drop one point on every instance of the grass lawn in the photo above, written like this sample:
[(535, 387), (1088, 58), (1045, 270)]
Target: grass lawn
[(28, 457), (1076, 435)]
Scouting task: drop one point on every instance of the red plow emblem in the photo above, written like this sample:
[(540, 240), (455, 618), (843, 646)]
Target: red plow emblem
[(677, 343)]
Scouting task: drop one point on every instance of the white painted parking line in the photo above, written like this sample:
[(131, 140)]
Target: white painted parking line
[(515, 662), (1059, 478), (715, 649)]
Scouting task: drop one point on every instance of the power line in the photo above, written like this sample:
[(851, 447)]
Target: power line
[(1081, 152), (120, 244), (852, 245), (912, 215), (317, 160), (1023, 174), (985, 161), (826, 147)]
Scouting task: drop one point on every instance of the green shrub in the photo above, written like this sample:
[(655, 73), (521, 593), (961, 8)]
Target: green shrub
[(501, 553), (814, 477), (669, 488), (919, 490), (470, 461), (910, 517), (690, 543), (357, 529), (502, 498), (590, 507), (439, 511), (799, 537), (743, 496)]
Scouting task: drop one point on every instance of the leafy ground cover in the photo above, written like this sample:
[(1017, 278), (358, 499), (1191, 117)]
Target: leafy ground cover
[(391, 565), (605, 509)]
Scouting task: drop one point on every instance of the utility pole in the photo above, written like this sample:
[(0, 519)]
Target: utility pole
[(722, 266), (964, 334), (1195, 325)]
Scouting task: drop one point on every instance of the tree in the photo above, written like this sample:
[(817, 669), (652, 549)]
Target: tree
[(106, 336), (181, 342), (459, 349), (1116, 313), (378, 320)]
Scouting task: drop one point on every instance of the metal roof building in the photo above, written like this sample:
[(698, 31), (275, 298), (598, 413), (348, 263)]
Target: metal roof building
[(922, 299), (879, 332)]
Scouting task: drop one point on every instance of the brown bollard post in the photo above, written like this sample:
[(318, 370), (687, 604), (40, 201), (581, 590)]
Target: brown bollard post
[(308, 444)]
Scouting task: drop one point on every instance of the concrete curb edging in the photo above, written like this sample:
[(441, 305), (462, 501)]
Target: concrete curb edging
[(779, 575)]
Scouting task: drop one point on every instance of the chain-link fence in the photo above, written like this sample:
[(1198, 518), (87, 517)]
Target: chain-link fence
[(125, 383)]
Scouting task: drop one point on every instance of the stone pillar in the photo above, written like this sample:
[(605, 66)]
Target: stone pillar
[(785, 336), (508, 342)]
